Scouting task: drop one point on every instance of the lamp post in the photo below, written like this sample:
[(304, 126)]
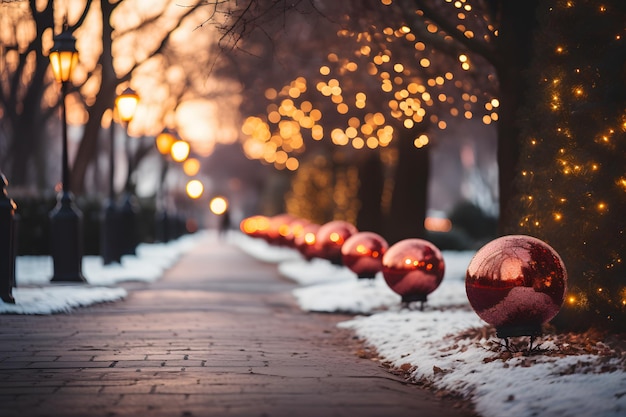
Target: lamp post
[(65, 219), (7, 243), (111, 250), (164, 142), (126, 105), (179, 153)]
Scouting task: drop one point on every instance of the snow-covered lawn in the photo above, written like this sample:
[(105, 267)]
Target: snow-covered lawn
[(36, 295), (448, 347)]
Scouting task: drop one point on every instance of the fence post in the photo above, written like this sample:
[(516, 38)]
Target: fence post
[(7, 243)]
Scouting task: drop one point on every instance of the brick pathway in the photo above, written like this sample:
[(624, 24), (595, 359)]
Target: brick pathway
[(218, 335)]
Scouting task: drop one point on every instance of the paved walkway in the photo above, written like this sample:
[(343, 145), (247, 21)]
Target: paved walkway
[(218, 335)]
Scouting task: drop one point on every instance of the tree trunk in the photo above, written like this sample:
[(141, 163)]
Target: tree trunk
[(514, 45), (371, 182), (410, 191), (88, 148)]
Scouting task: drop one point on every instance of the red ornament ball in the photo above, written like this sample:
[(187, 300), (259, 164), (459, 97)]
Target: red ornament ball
[(516, 283), (295, 228), (331, 237), (255, 226), (278, 229), (306, 242), (363, 253), (413, 268)]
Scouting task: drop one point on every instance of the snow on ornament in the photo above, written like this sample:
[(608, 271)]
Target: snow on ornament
[(413, 268), (363, 254), (516, 284), (331, 237)]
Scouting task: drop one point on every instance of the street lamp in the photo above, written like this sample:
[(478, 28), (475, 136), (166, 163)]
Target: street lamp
[(163, 142), (179, 152), (126, 105), (111, 247), (65, 219)]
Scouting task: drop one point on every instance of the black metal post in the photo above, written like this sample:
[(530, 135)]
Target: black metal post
[(7, 244), (128, 209), (66, 229), (110, 247), (162, 220)]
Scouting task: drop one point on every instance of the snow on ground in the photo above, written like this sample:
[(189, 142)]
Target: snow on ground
[(36, 295), (449, 347)]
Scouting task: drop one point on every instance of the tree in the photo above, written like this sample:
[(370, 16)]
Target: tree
[(572, 181), (381, 82), (25, 85), (113, 51)]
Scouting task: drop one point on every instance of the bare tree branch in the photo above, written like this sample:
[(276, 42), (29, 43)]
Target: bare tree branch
[(482, 48)]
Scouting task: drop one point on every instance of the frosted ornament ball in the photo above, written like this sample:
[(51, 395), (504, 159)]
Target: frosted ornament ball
[(413, 268), (516, 283)]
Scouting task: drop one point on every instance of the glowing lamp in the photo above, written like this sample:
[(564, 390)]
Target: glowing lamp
[(218, 205), (363, 253), (191, 167), (63, 56), (126, 104), (65, 219), (194, 189), (331, 237), (516, 283), (165, 140), (413, 268), (180, 150)]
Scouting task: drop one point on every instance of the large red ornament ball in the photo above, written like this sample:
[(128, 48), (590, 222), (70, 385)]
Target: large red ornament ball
[(413, 268), (363, 253), (331, 237), (278, 229), (295, 229), (516, 283), (306, 242), (255, 226)]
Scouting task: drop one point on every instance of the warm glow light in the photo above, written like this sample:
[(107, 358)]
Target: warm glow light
[(180, 150), (126, 104), (336, 238), (218, 205), (164, 141), (309, 238), (194, 189), (437, 224), (191, 166), (63, 56)]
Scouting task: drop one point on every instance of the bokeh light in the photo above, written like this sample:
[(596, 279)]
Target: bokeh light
[(218, 205), (194, 189)]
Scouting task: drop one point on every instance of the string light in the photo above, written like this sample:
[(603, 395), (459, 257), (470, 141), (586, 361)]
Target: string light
[(592, 238)]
